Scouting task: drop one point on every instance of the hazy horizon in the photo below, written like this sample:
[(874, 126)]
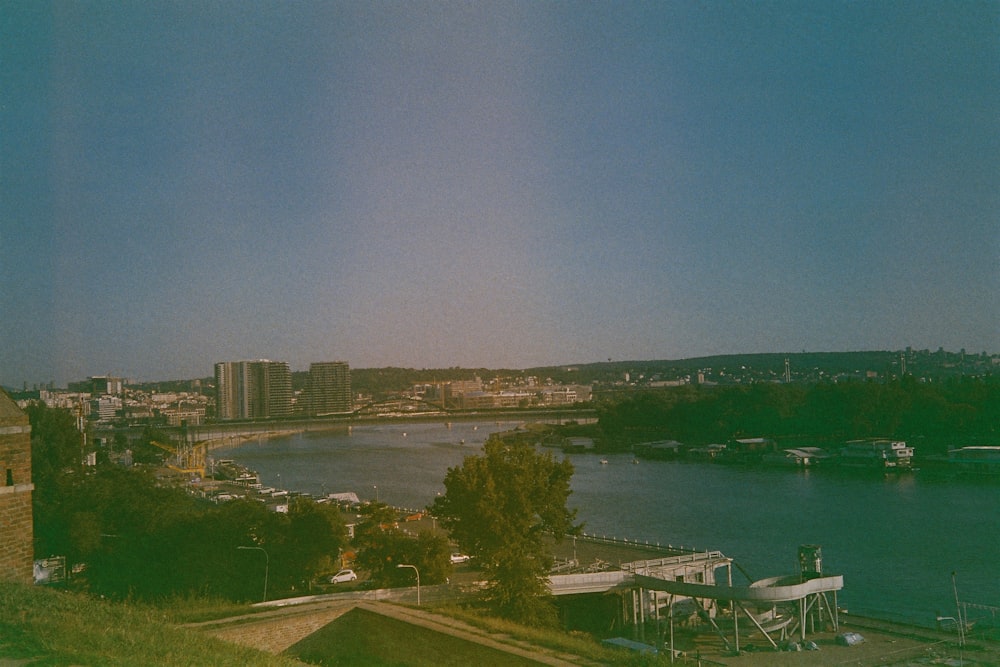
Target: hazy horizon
[(305, 369), (499, 185)]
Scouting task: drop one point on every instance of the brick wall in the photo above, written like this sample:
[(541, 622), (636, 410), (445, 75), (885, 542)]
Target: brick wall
[(16, 543)]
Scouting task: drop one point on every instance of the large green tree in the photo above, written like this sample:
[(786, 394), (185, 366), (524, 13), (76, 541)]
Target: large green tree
[(499, 507), (382, 546)]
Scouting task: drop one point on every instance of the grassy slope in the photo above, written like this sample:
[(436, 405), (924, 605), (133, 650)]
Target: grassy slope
[(362, 638), (56, 628), (50, 627)]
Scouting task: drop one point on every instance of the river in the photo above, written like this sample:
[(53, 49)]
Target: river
[(895, 539)]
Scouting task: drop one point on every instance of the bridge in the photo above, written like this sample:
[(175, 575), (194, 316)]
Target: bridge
[(590, 582)]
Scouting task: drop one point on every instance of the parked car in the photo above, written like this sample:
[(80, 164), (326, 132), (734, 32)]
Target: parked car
[(342, 577), (459, 558)]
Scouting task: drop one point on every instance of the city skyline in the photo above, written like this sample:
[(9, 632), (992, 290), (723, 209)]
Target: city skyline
[(754, 367), (498, 185)]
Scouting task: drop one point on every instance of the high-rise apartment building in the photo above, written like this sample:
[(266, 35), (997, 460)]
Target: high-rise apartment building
[(232, 382), (253, 389), (272, 395), (328, 389), (105, 385)]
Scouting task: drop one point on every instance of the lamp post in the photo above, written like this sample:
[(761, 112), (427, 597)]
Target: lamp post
[(267, 565), (375, 486), (958, 608), (417, 572), (434, 521)]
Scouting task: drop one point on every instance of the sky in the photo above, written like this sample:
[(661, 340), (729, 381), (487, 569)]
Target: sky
[(492, 184)]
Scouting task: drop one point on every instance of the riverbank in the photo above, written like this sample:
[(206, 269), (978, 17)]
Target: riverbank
[(233, 440), (884, 644)]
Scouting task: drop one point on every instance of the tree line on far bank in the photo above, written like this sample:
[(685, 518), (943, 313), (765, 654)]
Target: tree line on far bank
[(934, 416)]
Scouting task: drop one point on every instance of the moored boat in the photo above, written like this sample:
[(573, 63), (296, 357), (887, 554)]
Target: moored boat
[(876, 454)]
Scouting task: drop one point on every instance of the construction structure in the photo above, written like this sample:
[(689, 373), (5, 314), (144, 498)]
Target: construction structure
[(695, 590), (188, 458)]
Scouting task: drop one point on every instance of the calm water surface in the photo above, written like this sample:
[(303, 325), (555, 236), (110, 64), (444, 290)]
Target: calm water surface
[(896, 540)]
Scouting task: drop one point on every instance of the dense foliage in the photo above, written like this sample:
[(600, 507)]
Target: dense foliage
[(934, 416), (498, 507), (138, 538), (382, 547)]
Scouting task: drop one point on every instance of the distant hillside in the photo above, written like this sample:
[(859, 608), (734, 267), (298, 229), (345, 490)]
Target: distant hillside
[(803, 366), (800, 363)]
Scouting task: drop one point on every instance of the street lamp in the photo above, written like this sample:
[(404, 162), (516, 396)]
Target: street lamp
[(417, 572), (375, 486), (267, 565)]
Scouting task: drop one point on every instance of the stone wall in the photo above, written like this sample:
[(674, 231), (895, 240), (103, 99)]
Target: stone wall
[(16, 534)]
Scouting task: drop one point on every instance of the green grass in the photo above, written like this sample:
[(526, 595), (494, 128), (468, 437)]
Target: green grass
[(575, 643), (51, 627), (364, 638), (192, 609)]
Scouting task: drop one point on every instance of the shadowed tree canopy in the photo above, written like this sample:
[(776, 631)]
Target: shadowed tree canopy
[(382, 546), (498, 507), (141, 539)]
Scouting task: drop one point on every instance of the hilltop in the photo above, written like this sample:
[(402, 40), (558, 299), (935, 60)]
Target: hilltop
[(924, 365)]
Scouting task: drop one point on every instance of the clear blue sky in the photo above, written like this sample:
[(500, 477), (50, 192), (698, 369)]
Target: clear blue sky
[(492, 183)]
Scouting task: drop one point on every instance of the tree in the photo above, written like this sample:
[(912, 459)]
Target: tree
[(498, 507), (431, 554), (56, 444), (315, 535), (382, 546)]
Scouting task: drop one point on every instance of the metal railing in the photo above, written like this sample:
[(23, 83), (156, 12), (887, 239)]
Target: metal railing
[(625, 542)]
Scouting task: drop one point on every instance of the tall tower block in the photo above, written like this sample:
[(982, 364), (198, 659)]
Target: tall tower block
[(16, 534), (328, 389)]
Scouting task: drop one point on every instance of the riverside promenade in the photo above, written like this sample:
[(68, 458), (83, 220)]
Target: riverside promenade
[(280, 624)]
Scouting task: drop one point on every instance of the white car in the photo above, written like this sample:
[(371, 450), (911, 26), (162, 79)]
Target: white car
[(342, 577), (459, 558)]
